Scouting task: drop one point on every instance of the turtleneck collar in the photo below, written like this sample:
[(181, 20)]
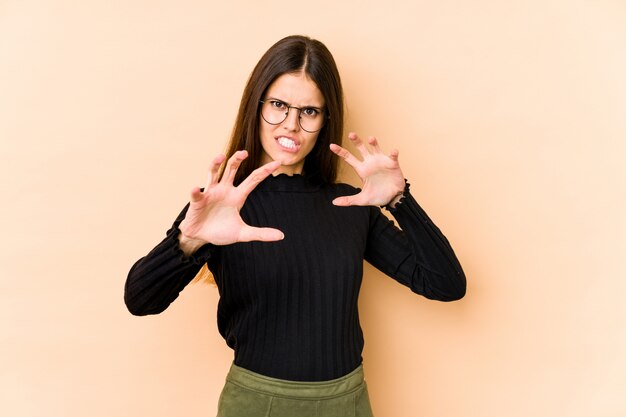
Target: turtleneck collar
[(290, 183)]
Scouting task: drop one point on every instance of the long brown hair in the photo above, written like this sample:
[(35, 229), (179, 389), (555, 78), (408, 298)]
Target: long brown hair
[(291, 55)]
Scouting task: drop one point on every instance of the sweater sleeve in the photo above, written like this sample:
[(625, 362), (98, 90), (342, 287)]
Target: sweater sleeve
[(157, 279), (418, 256)]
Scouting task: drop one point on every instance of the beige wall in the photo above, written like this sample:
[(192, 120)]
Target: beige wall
[(510, 120)]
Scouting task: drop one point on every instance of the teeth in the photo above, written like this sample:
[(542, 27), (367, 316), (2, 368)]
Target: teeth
[(287, 143)]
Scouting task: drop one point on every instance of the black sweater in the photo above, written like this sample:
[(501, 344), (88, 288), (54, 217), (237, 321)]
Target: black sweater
[(289, 308)]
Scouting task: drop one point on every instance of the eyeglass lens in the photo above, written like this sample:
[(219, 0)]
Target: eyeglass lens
[(275, 112)]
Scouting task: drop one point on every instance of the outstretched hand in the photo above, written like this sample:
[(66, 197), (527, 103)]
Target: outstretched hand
[(213, 214), (383, 182)]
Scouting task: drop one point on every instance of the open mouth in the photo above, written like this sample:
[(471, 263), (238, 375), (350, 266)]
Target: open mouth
[(288, 144)]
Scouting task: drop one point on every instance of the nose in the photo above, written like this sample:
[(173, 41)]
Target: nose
[(291, 122)]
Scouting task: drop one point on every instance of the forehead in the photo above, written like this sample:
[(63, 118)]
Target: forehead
[(296, 89)]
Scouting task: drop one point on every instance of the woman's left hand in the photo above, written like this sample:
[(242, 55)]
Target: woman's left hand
[(383, 182)]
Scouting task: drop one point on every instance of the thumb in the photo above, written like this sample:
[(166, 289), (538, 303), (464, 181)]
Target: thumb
[(345, 201), (263, 234)]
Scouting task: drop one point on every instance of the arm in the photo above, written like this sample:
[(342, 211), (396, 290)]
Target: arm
[(418, 256), (157, 279), (210, 220)]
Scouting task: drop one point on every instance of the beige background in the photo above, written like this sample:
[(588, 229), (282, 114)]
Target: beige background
[(510, 120)]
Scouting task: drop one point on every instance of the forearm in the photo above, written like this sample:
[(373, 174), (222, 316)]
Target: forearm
[(419, 255), (156, 280), (438, 272)]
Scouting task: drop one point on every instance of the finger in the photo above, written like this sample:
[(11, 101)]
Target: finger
[(257, 176), (394, 155), (345, 154), (262, 234), (358, 144), (213, 172), (232, 165), (349, 200), (196, 194), (374, 144)]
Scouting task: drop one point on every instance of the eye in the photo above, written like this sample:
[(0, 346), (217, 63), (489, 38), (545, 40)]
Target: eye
[(310, 111), (277, 104)]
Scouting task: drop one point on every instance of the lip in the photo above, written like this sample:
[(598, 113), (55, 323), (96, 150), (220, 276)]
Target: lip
[(284, 148)]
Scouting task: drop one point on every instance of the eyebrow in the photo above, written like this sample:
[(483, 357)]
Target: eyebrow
[(306, 106)]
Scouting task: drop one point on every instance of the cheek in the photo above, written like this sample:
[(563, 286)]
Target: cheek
[(265, 133), (313, 141)]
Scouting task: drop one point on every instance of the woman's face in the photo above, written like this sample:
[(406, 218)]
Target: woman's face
[(287, 142)]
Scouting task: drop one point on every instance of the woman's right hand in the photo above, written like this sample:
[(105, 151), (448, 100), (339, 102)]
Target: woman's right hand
[(213, 214)]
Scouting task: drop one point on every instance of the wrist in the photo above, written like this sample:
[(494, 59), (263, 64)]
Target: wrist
[(189, 245), (398, 198)]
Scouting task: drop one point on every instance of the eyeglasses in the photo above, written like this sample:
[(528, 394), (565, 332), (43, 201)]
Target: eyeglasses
[(311, 119)]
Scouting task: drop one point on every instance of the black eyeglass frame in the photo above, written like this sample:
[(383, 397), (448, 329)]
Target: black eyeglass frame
[(289, 107)]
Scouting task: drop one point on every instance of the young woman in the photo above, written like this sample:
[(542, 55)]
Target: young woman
[(285, 243)]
